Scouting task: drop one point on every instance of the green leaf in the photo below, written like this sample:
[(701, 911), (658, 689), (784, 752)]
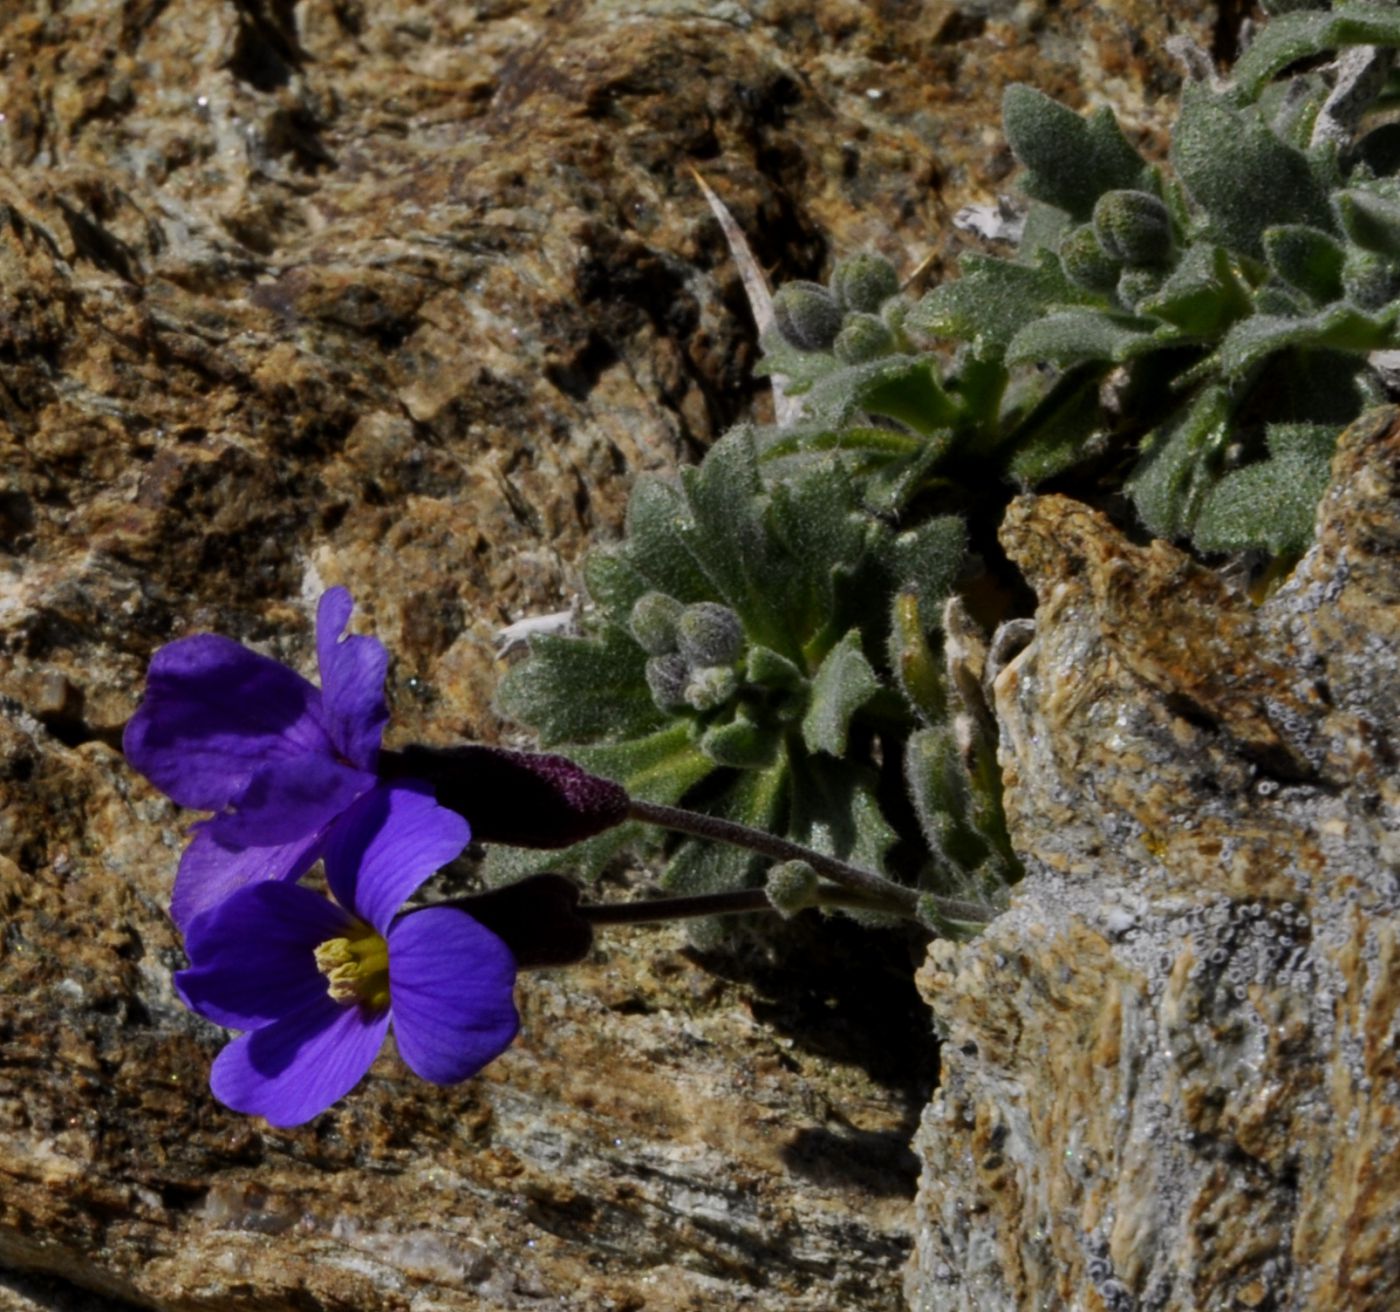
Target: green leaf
[(742, 744), (1077, 336), (1057, 433), (588, 860), (832, 808), (1290, 37), (1315, 442), (1272, 504), (1202, 296), (815, 531), (763, 665), (993, 299), (1177, 463), (1070, 161), (919, 675), (1306, 258), (1043, 229), (960, 812), (1340, 327), (613, 582), (580, 688), (1372, 222), (660, 767), (842, 685), (867, 445), (927, 560), (979, 384), (902, 387), (755, 799), (799, 369), (726, 537), (656, 545), (1241, 174)]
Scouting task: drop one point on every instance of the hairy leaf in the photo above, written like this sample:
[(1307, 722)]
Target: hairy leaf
[(993, 299), (1241, 174), (842, 685), (1070, 161), (1290, 37)]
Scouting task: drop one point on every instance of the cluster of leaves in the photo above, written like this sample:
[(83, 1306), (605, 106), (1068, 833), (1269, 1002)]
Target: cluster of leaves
[(1202, 332), (759, 646), (765, 642)]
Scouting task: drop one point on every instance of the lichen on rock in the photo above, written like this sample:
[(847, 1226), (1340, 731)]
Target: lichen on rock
[(1169, 1072)]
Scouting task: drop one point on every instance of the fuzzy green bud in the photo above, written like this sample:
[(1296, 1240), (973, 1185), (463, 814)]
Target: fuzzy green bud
[(709, 634), (653, 622), (807, 315), (667, 677), (710, 687), (792, 887), (1133, 227), (1136, 285), (864, 283), (863, 337), (1086, 263)]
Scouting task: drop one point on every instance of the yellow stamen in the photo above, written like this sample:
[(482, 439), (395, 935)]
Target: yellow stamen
[(356, 968)]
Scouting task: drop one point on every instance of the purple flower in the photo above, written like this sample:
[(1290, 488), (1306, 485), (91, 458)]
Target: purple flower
[(315, 982), (223, 729)]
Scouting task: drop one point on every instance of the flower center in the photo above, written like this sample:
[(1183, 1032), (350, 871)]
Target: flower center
[(356, 968)]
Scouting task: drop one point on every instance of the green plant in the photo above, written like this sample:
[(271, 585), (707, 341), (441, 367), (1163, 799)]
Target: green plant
[(749, 644), (766, 641), (1200, 331)]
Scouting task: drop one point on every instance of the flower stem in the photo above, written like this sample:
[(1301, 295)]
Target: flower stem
[(874, 889), (654, 910), (747, 900)]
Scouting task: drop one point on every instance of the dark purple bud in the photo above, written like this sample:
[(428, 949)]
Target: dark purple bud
[(537, 919), (525, 799)]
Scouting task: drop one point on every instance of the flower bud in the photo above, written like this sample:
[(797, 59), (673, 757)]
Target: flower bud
[(864, 283), (1136, 285), (653, 622), (526, 799), (807, 315), (1086, 263), (863, 337), (710, 687), (1134, 227), (709, 634), (791, 887), (667, 677)]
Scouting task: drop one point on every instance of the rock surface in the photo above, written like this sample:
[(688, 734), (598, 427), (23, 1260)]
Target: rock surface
[(1170, 1073), (403, 295)]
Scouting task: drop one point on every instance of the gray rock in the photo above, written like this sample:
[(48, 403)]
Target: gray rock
[(1169, 1072)]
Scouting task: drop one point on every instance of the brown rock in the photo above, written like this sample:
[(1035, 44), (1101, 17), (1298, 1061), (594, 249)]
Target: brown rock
[(1170, 1071), (403, 295)]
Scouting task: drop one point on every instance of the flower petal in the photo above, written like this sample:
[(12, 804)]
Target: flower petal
[(386, 845), (451, 989), (298, 1066), (213, 712), (288, 800), (252, 958), (209, 871), (352, 681)]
